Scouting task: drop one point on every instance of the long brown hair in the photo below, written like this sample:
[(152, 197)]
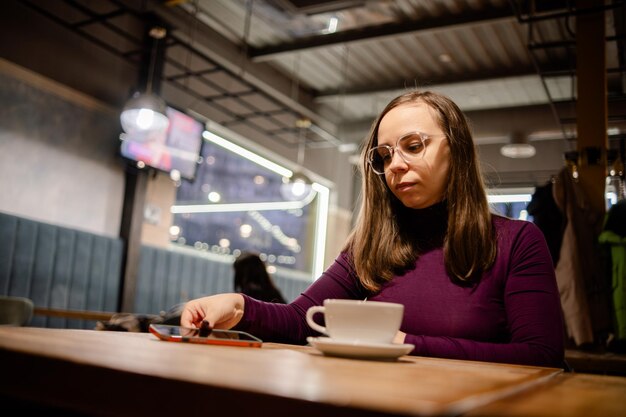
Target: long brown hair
[(377, 245)]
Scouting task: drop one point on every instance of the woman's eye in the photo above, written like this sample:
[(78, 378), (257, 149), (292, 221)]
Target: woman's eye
[(414, 146), (384, 154)]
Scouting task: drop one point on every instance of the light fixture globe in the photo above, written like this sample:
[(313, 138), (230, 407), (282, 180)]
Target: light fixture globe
[(518, 150), (144, 112), (297, 188), (518, 147)]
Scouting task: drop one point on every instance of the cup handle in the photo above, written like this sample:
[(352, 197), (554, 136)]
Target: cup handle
[(309, 319)]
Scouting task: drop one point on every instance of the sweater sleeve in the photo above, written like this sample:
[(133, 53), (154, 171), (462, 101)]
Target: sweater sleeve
[(533, 312), (287, 323)]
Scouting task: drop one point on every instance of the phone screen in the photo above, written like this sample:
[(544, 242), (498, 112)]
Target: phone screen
[(214, 337)]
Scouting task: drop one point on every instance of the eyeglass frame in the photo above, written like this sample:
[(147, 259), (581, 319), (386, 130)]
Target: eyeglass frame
[(392, 149)]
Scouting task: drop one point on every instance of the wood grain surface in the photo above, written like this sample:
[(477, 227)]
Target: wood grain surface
[(118, 373)]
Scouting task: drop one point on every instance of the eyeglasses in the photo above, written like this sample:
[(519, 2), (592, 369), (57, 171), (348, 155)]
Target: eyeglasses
[(410, 147)]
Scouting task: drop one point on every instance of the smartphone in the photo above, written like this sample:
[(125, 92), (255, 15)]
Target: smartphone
[(209, 337)]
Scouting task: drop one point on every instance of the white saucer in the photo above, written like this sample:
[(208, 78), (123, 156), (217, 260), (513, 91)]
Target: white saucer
[(357, 349)]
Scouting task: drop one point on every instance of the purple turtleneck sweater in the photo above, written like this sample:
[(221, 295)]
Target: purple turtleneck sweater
[(512, 315)]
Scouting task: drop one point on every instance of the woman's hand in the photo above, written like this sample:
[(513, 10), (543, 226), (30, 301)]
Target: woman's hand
[(222, 311), (400, 336)]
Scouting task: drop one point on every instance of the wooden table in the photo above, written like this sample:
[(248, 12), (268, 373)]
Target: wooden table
[(567, 395), (113, 373)]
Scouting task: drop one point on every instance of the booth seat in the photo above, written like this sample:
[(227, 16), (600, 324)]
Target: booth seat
[(167, 277), (58, 268)]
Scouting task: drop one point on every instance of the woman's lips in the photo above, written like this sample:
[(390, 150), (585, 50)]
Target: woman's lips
[(403, 186)]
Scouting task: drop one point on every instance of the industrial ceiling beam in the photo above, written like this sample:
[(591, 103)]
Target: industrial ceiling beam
[(372, 32), (390, 29), (421, 82)]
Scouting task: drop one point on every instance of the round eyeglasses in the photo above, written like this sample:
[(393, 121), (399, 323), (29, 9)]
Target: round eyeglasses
[(410, 147)]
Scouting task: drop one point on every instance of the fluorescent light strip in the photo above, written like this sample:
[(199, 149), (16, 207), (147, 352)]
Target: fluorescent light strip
[(223, 208), (510, 198), (319, 250), (251, 156)]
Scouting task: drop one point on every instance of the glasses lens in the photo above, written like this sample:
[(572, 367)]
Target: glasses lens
[(378, 157), (411, 145)]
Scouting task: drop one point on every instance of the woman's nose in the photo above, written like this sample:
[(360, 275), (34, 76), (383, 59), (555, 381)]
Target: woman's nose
[(397, 162)]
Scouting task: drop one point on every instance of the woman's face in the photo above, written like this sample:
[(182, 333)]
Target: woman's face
[(420, 183)]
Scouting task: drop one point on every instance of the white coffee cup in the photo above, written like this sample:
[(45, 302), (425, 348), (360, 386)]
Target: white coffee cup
[(358, 321)]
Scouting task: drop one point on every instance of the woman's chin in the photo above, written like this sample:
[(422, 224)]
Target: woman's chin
[(418, 205)]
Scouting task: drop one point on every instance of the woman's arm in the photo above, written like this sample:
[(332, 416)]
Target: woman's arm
[(287, 323)]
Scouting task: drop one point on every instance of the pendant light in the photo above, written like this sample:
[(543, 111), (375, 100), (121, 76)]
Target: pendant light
[(299, 186), (518, 147), (146, 111)]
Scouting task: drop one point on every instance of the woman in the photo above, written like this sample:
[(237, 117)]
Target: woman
[(474, 285), (252, 279)]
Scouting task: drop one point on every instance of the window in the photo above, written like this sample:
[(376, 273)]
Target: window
[(241, 201), (511, 203)]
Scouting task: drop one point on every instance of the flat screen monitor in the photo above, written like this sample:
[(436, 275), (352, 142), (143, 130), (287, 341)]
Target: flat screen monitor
[(175, 148)]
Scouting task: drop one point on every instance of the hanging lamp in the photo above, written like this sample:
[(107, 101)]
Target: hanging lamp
[(518, 147), (146, 111), (299, 186)]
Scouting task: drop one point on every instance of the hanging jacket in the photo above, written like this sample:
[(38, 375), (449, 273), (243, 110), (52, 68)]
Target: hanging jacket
[(618, 279), (548, 217), (585, 294), (614, 236)]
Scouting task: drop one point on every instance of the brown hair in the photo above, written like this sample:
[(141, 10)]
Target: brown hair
[(377, 244), (251, 278)]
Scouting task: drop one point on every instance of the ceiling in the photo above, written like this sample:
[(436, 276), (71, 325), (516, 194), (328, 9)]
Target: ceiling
[(261, 67), (485, 54)]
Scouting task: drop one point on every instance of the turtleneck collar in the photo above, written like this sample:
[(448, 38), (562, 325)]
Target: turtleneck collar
[(426, 227)]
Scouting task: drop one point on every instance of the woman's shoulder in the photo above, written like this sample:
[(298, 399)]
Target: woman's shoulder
[(503, 222), (343, 266), (515, 228), (345, 260), (520, 243)]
